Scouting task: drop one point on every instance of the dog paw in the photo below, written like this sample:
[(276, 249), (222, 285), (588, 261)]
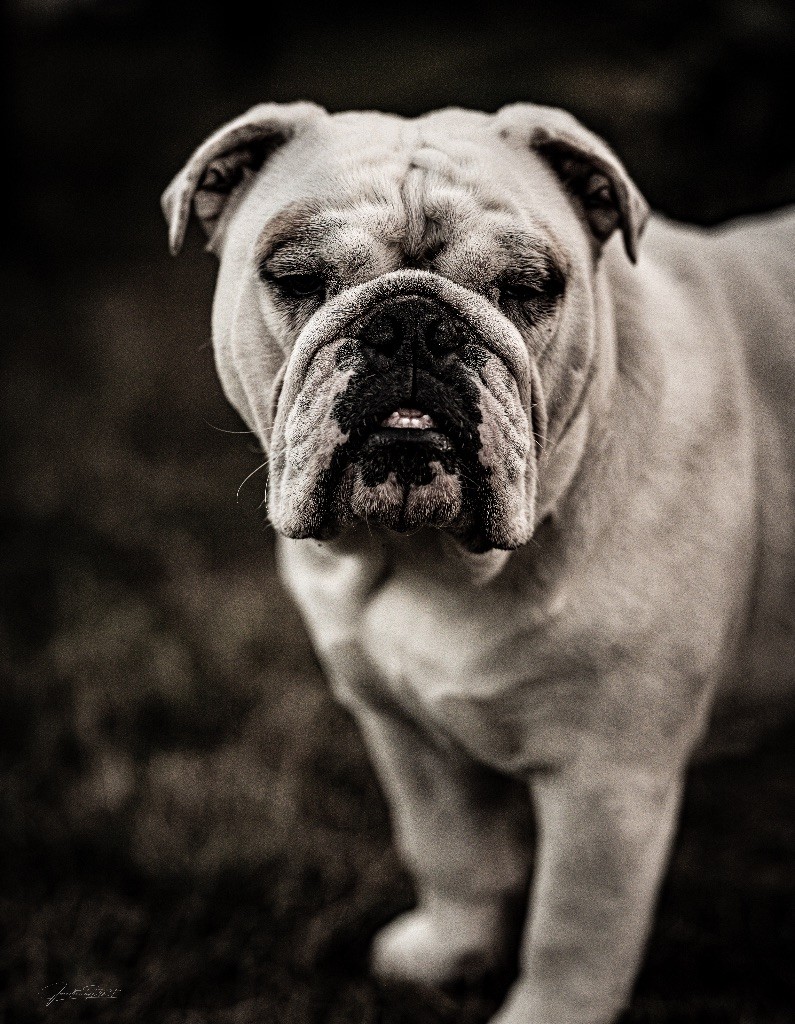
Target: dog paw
[(422, 947)]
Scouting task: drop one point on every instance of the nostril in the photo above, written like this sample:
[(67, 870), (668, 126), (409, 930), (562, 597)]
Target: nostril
[(383, 333), (446, 336)]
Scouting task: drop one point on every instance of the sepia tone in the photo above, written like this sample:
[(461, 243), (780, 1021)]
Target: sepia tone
[(189, 820)]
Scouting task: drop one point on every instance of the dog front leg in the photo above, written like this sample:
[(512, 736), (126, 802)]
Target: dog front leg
[(603, 842), (456, 829)]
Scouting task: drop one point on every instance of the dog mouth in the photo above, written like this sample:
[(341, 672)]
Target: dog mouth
[(402, 467), (404, 442), (411, 454)]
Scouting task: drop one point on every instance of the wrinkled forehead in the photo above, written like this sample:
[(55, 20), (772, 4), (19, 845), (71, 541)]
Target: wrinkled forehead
[(371, 186), (443, 153)]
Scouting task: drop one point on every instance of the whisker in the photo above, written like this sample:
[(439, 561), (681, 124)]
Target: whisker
[(223, 430), (251, 474)]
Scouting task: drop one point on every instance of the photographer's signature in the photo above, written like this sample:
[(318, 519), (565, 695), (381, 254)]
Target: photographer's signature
[(59, 993)]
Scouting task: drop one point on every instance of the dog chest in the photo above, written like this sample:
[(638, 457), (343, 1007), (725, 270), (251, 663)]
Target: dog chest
[(478, 671)]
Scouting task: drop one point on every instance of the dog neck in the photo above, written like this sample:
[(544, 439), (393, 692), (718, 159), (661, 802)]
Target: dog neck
[(616, 428), (379, 552)]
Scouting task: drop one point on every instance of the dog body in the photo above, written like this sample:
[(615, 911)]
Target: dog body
[(535, 502)]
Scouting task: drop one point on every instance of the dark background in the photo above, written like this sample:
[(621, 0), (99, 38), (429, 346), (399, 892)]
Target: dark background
[(184, 814)]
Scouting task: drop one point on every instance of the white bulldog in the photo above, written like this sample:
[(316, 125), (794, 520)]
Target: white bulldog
[(534, 491)]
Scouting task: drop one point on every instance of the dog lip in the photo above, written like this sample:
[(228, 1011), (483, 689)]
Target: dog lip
[(404, 418), (389, 436)]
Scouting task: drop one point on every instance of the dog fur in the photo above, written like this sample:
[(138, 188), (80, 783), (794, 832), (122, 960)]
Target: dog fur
[(591, 573)]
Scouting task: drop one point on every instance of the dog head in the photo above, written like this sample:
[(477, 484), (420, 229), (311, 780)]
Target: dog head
[(405, 308)]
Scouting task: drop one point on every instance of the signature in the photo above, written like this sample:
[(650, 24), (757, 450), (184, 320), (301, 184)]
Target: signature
[(64, 992)]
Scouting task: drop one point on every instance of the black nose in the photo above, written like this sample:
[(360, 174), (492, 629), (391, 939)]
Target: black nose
[(408, 327)]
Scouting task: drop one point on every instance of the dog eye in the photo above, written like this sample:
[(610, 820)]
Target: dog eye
[(521, 291), (539, 291), (296, 286), (301, 286)]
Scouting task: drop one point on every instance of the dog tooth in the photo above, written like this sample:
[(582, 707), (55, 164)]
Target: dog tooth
[(408, 419)]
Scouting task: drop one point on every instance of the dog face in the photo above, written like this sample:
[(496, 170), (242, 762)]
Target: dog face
[(405, 309)]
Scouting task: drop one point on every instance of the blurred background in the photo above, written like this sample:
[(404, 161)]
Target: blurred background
[(184, 814)]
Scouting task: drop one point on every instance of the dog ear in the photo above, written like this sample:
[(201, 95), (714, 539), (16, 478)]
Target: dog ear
[(227, 159), (593, 175)]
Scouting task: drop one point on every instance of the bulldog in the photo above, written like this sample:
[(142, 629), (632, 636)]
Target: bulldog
[(533, 490)]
